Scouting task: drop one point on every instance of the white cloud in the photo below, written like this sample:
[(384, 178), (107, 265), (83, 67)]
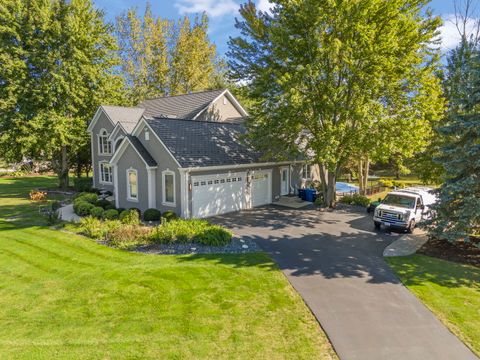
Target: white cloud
[(214, 8), (264, 5), (449, 32)]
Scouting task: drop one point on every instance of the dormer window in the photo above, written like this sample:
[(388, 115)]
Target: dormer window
[(147, 134), (104, 145)]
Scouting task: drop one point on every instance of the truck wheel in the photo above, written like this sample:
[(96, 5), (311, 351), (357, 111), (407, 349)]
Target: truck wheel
[(377, 225), (411, 226)]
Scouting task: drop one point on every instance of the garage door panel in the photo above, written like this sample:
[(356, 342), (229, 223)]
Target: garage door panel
[(261, 188), (218, 194)]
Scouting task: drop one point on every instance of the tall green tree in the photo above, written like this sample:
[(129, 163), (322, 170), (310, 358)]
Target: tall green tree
[(457, 214), (324, 75), (58, 60), (161, 57)]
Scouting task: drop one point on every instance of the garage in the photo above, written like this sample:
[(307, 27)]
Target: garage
[(218, 194), (261, 188)]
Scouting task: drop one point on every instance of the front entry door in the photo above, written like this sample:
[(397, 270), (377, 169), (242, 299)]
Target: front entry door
[(284, 181)]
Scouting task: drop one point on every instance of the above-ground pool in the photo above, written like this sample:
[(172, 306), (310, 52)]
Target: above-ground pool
[(346, 188)]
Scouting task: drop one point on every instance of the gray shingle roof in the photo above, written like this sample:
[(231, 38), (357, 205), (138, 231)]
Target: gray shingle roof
[(124, 115), (204, 143), (180, 106), (142, 151)]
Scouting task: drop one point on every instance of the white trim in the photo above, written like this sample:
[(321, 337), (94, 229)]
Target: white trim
[(287, 180), (100, 172), (137, 127), (116, 141), (96, 116), (152, 197), (99, 147), (232, 99), (115, 185), (164, 202), (93, 162), (242, 166), (115, 129), (129, 197), (184, 192)]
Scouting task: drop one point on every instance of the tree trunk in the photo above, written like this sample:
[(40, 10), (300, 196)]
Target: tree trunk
[(328, 186), (63, 171), (360, 176), (363, 169)]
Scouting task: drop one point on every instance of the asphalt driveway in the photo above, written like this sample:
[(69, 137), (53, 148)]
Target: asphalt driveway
[(334, 260)]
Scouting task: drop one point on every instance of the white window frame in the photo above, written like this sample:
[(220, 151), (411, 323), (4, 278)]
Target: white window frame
[(164, 195), (307, 169), (101, 135), (101, 178), (146, 134), (129, 196)]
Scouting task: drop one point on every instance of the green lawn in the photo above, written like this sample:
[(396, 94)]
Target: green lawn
[(450, 290), (64, 296)]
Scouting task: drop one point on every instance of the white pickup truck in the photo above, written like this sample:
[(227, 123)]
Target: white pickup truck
[(403, 209)]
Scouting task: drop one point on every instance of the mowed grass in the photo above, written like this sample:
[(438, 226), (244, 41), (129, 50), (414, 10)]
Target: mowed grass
[(64, 296), (450, 290)]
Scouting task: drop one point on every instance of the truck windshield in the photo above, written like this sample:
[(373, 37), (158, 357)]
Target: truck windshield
[(400, 201)]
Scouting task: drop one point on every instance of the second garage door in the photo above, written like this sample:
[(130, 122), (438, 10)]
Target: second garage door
[(261, 188), (217, 194)]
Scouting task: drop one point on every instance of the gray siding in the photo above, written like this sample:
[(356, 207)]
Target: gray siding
[(219, 111), (102, 123), (165, 162), (130, 159)]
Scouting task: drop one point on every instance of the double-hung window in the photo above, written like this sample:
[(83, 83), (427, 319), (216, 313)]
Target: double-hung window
[(307, 171), (106, 176), (104, 145), (168, 182), (132, 185)]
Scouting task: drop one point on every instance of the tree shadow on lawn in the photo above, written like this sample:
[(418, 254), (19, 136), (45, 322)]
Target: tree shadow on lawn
[(254, 259), (418, 269)]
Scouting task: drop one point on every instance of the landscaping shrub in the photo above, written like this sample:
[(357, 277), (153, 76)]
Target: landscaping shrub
[(130, 217), (53, 217), (82, 208), (110, 214), (193, 230), (137, 210), (82, 184), (151, 215), (103, 203), (120, 210), (87, 197), (398, 184), (110, 207), (169, 215), (386, 182), (97, 212), (128, 235), (92, 227), (355, 199)]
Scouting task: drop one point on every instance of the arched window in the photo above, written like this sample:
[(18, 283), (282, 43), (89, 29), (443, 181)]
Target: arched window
[(104, 145)]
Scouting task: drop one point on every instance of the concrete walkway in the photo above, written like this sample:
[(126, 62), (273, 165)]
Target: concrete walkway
[(335, 261), (67, 213), (406, 245)]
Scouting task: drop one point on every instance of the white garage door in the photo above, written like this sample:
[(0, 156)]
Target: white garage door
[(261, 188), (217, 194)]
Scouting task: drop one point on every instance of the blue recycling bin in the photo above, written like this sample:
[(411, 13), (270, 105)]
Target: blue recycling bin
[(302, 193), (309, 194)]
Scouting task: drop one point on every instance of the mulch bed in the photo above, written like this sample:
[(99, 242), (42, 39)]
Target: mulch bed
[(461, 252)]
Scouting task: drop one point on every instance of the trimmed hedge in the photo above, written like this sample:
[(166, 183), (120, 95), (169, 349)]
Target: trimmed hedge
[(87, 197), (103, 203), (152, 215), (97, 212), (83, 208), (355, 199), (110, 214)]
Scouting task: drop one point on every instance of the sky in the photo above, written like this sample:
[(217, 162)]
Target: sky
[(222, 14)]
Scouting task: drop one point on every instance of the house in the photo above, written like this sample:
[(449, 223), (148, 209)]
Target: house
[(185, 153)]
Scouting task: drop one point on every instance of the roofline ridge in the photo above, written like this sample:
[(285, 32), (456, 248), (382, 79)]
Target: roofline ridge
[(191, 93), (193, 121)]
